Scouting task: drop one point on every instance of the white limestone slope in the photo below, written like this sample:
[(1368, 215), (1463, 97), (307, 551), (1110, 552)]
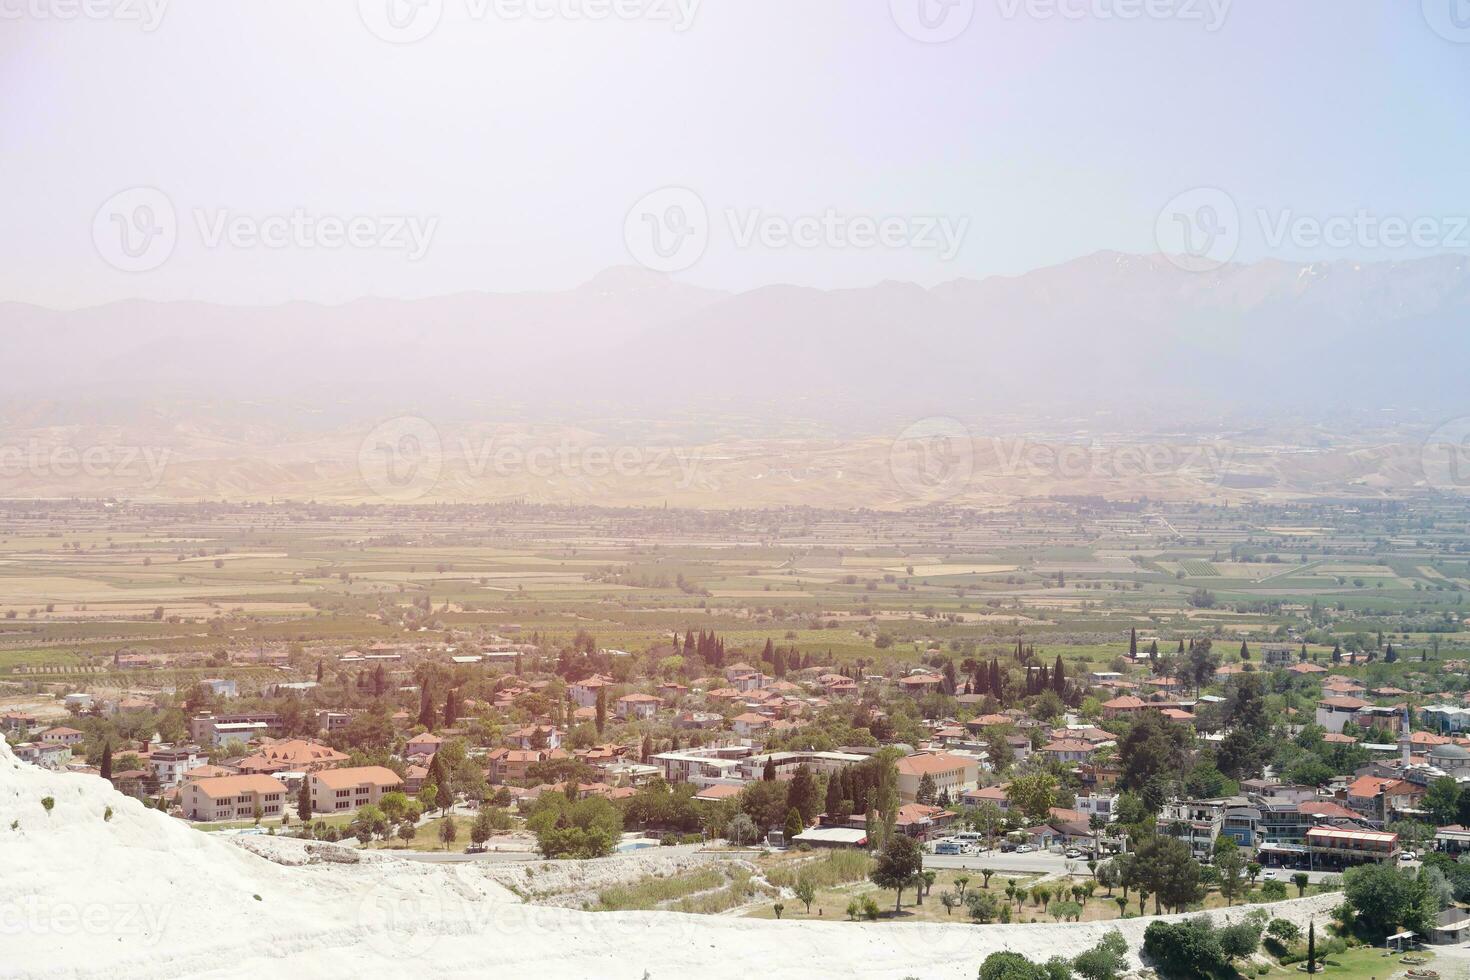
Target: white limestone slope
[(143, 894)]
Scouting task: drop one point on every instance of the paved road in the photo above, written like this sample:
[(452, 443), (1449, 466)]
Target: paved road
[(459, 857), (1045, 862)]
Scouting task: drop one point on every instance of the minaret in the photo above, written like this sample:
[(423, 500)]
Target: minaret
[(1406, 746)]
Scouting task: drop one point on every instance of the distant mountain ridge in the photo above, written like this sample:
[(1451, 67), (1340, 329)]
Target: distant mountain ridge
[(1107, 329)]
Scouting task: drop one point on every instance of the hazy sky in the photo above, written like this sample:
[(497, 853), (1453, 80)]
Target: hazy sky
[(505, 149)]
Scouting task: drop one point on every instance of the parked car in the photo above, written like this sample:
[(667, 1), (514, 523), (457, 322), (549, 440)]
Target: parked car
[(1268, 874), (1024, 848), (1072, 852), (949, 847)]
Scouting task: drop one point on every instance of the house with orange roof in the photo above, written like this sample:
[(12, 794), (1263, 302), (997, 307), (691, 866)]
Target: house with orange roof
[(920, 683), (994, 795), (584, 692), (335, 790), (1068, 751), (750, 724), (233, 797), (1306, 668), (424, 743), (291, 755), (61, 735), (1124, 706)]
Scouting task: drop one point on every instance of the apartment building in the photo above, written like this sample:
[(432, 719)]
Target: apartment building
[(335, 790), (233, 797)]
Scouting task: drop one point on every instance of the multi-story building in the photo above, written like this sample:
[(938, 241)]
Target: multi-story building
[(1334, 848), (170, 763), (702, 767), (1196, 822), (335, 790), (233, 797), (211, 729), (62, 735), (953, 775)]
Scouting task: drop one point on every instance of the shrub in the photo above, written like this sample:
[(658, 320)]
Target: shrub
[(47, 803)]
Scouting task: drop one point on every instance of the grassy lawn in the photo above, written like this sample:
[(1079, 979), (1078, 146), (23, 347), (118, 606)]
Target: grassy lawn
[(1367, 963), (334, 820), (427, 837), (832, 899)]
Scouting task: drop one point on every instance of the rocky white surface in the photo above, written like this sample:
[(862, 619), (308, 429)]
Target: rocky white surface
[(141, 894)]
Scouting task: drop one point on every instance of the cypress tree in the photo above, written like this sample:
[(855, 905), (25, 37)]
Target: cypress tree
[(1133, 642), (834, 794), (769, 773), (107, 761), (1312, 947), (1059, 677), (303, 799)]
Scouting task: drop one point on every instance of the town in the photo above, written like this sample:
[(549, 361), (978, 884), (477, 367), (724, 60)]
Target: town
[(1222, 754)]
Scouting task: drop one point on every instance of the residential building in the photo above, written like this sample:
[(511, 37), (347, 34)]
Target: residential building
[(953, 775), (233, 797), (291, 755), (335, 790), (47, 755), (211, 729), (584, 692), (1196, 822), (171, 763), (1333, 848), (638, 706), (63, 736)]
